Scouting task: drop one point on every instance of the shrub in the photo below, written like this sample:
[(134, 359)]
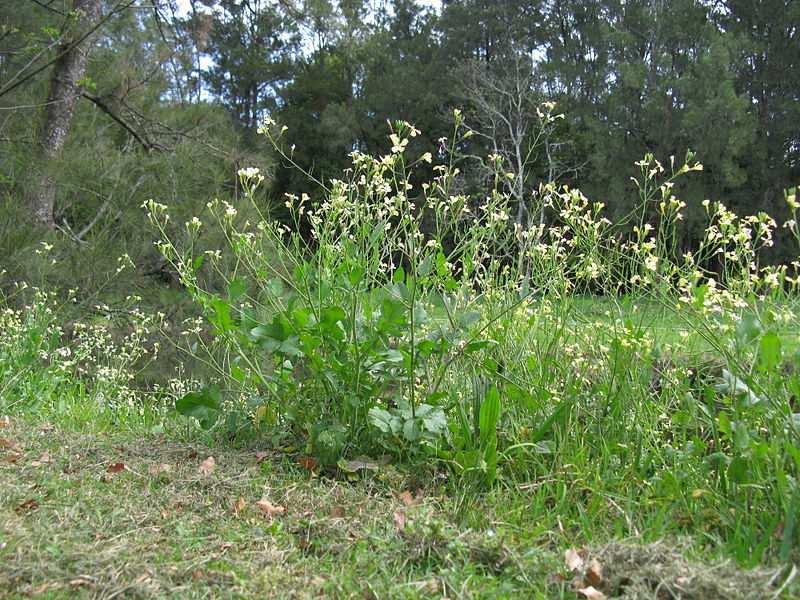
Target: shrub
[(399, 316)]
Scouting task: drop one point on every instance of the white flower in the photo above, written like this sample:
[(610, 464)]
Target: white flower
[(251, 173)]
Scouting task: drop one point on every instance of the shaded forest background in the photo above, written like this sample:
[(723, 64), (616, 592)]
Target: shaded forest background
[(173, 93)]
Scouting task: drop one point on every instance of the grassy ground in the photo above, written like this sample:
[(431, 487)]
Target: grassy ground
[(85, 512)]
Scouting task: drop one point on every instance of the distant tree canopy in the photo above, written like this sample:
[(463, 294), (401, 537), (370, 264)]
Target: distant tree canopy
[(170, 93)]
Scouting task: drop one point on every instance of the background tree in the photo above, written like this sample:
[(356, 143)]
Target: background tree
[(65, 82)]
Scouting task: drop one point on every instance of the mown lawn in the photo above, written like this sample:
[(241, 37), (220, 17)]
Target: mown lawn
[(95, 513)]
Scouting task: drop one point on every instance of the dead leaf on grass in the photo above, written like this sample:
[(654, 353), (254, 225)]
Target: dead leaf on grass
[(591, 593), (239, 505), (81, 581), (407, 498), (28, 506), (159, 469), (309, 463), (207, 466), (115, 468), (46, 587), (573, 560), (399, 520), (270, 509), (5, 421), (337, 512), (361, 463), (10, 445), (594, 573), (44, 459), (13, 456)]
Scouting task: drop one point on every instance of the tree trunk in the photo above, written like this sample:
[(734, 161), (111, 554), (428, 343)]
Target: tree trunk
[(68, 70)]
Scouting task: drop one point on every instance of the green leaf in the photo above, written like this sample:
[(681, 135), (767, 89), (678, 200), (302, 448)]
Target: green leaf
[(426, 266), (741, 437), (410, 432), (748, 329), (393, 316), (737, 470), (769, 351), (203, 405), (221, 319), (356, 275), (489, 415), (399, 275), (434, 419), (380, 418), (478, 345), (329, 320), (236, 289)]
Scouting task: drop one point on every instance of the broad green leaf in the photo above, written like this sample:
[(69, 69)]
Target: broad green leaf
[(769, 351), (737, 470), (236, 289), (221, 319), (748, 329), (426, 266), (381, 419), (203, 405)]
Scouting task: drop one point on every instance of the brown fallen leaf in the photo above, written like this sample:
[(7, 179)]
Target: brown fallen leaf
[(207, 466), (81, 581), (399, 520), (309, 463), (27, 506), (7, 444), (159, 469), (42, 460), (5, 421), (46, 587), (270, 509), (362, 464), (115, 468), (407, 498), (591, 593), (239, 505), (337, 512), (12, 456), (594, 573), (573, 560)]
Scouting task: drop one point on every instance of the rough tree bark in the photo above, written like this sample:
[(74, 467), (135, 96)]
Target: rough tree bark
[(65, 90)]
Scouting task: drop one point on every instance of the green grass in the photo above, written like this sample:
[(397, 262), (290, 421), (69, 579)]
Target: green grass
[(73, 526), (75, 522)]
